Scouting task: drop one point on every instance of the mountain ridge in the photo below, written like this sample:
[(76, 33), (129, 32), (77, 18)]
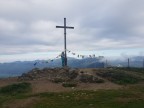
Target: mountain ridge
[(18, 67)]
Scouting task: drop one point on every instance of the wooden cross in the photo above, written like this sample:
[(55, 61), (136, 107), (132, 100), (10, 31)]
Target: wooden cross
[(65, 27)]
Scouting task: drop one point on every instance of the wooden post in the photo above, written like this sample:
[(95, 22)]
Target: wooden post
[(143, 65), (106, 64), (128, 63), (65, 44)]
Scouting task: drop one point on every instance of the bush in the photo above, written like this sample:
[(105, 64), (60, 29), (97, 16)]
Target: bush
[(23, 87), (124, 79), (119, 77), (99, 81), (132, 69), (86, 78), (69, 84)]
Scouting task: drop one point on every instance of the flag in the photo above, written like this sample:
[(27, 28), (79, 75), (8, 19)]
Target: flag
[(35, 63), (73, 53), (78, 56)]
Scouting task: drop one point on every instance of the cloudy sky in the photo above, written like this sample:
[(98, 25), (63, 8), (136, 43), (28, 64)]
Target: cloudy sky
[(27, 27)]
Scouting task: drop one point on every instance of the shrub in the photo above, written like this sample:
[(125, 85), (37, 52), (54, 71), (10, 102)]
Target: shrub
[(119, 77), (86, 78), (69, 84), (132, 69), (99, 81), (23, 87)]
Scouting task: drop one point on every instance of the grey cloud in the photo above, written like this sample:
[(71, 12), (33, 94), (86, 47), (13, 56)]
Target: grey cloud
[(117, 23)]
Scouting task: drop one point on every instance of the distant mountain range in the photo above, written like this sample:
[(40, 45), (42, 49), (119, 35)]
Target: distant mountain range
[(19, 67)]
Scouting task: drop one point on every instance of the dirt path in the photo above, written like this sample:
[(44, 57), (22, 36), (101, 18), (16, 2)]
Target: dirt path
[(8, 81)]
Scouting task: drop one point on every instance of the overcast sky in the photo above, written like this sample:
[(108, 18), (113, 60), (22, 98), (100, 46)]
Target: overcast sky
[(28, 26)]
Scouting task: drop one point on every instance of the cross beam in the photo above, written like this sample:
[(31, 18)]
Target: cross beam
[(65, 46)]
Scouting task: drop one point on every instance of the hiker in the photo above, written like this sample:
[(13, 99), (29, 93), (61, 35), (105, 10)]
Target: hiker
[(63, 59)]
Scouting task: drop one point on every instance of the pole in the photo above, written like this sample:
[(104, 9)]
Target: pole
[(65, 41), (106, 64), (128, 62), (143, 63)]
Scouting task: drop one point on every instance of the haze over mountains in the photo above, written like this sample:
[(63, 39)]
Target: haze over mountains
[(19, 67)]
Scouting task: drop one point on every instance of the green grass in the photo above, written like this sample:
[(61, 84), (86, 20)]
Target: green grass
[(13, 89), (92, 99), (69, 84), (130, 97), (132, 69), (124, 98), (119, 77), (13, 92)]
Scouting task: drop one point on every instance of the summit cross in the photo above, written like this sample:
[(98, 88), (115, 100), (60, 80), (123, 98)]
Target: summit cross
[(65, 44)]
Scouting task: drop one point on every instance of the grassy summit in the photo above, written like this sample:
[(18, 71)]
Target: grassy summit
[(129, 95)]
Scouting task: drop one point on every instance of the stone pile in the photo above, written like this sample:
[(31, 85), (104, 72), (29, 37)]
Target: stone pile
[(50, 73), (59, 75)]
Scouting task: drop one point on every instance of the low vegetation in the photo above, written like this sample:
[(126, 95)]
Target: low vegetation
[(132, 69), (125, 98), (19, 95), (119, 77), (69, 84), (13, 89), (93, 99)]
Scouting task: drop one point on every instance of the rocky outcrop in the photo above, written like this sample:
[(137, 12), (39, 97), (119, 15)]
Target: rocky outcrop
[(50, 73), (86, 78), (58, 75)]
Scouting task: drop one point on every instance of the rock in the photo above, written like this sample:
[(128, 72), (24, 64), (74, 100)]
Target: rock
[(73, 73), (49, 73), (59, 75), (86, 78)]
